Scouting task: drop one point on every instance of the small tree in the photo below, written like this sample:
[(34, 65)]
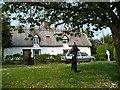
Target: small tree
[(101, 52), (115, 55)]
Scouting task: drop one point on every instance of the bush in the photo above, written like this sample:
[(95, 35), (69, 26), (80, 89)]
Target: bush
[(17, 56), (101, 53), (13, 59), (18, 59), (115, 55), (47, 58), (101, 49), (7, 62), (8, 57), (100, 57), (111, 50), (58, 58), (43, 58), (17, 62)]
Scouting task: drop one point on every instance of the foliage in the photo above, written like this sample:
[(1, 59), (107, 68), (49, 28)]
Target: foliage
[(13, 59), (58, 58), (74, 15), (18, 62), (8, 57), (115, 55), (111, 50), (47, 58), (17, 57), (95, 44), (93, 49), (39, 59), (43, 58), (7, 62), (100, 57), (101, 52), (107, 39), (92, 75), (6, 35), (101, 49)]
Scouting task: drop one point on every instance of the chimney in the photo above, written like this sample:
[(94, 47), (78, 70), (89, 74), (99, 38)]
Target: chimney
[(46, 25)]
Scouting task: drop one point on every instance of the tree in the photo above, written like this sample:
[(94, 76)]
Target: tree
[(95, 44), (73, 15), (6, 35), (101, 51), (107, 39)]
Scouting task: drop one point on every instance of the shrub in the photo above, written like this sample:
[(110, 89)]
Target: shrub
[(25, 59), (100, 57), (16, 56), (8, 57), (101, 52), (52, 59), (101, 49), (47, 58), (115, 55), (43, 58), (58, 58), (13, 59), (7, 62), (111, 49), (17, 62)]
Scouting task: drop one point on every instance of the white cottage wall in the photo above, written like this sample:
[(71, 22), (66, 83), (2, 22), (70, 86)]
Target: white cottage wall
[(85, 49), (13, 50), (16, 50), (51, 50), (44, 50)]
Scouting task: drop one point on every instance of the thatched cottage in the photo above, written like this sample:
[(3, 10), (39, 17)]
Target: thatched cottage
[(44, 42)]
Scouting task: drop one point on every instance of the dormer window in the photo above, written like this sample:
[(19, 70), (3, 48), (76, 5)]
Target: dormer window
[(65, 39), (36, 39)]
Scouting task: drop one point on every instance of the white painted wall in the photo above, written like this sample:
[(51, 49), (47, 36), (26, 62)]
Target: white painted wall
[(13, 50), (44, 50), (85, 49), (51, 50)]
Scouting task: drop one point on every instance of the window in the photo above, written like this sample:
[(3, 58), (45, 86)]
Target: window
[(65, 39), (64, 52), (36, 52), (84, 54), (36, 39)]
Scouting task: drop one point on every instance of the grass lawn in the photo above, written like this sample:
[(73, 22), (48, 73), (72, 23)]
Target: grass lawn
[(91, 75)]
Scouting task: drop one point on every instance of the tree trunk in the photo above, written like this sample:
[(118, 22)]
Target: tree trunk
[(116, 37), (2, 54)]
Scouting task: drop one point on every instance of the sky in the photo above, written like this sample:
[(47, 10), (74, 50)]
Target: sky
[(100, 34)]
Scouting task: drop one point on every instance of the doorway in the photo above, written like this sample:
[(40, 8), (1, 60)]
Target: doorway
[(27, 57)]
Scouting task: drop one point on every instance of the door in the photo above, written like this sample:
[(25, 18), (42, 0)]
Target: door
[(27, 55)]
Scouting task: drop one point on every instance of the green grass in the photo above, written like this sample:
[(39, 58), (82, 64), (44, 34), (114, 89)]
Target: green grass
[(91, 75)]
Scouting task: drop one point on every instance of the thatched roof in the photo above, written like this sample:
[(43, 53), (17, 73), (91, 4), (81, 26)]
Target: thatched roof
[(47, 38)]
